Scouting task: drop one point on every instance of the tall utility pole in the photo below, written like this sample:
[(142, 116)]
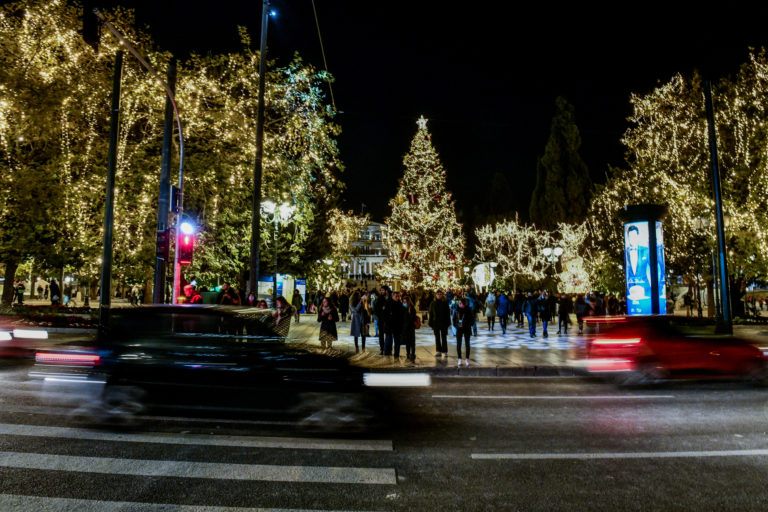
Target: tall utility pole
[(106, 257), (256, 218), (163, 204), (725, 325)]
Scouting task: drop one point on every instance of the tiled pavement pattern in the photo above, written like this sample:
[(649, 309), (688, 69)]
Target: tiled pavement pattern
[(488, 349)]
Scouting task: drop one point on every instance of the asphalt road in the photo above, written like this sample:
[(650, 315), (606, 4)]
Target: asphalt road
[(463, 444)]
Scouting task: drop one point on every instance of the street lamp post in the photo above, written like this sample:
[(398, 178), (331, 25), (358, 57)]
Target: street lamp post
[(552, 255), (256, 220)]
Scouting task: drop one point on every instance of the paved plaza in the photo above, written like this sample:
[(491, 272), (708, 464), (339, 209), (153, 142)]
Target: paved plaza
[(489, 349)]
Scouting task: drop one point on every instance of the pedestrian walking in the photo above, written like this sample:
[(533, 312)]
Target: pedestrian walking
[(410, 322), (327, 315), (357, 329), (55, 293), (393, 328), (343, 305), (503, 306), (475, 305), (462, 320), (530, 310), (564, 310), (381, 308), (581, 311), (439, 320), (490, 310), (296, 302), (544, 310), (18, 290)]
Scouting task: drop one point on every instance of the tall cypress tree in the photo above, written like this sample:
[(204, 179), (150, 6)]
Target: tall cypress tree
[(562, 178)]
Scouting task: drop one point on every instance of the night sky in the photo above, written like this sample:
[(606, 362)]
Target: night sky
[(486, 75)]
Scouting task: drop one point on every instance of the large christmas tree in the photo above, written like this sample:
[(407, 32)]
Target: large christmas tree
[(426, 244)]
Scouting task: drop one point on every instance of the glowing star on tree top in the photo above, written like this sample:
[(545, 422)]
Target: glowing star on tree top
[(422, 123)]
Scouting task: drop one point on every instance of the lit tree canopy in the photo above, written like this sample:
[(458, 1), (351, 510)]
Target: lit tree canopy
[(54, 120), (518, 250), (668, 163), (426, 243)]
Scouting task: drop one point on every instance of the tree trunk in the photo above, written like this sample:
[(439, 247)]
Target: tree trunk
[(710, 298), (10, 277)]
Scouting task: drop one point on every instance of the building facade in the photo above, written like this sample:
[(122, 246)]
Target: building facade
[(369, 251)]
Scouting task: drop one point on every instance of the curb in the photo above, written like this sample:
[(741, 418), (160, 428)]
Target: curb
[(489, 371)]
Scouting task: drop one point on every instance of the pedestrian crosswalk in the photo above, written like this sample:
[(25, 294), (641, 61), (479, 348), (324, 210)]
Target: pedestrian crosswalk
[(47, 464)]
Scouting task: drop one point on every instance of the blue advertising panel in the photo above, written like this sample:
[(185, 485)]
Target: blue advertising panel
[(637, 264), (638, 268)]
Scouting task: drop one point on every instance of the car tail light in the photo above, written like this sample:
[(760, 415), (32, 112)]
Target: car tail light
[(605, 319), (610, 365), (64, 358)]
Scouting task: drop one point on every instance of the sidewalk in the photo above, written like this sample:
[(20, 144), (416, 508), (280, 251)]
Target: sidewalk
[(492, 354)]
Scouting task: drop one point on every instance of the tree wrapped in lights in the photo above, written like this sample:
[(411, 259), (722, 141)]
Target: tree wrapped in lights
[(425, 241), (300, 166), (573, 277), (344, 229), (54, 118), (517, 248), (668, 162)]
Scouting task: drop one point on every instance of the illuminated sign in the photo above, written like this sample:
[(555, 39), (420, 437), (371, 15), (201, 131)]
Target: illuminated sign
[(642, 252)]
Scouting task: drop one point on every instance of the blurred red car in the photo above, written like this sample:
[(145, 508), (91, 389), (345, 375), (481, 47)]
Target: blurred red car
[(642, 349)]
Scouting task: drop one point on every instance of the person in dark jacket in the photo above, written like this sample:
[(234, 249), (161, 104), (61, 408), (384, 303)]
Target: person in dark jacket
[(55, 293), (503, 306), (463, 319), (530, 310), (408, 337), (393, 323), (544, 310), (327, 315), (380, 308), (564, 310), (358, 326), (296, 302), (581, 311), (439, 321), (517, 304), (343, 305)]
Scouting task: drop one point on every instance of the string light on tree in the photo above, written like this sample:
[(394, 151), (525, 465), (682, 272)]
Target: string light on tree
[(425, 240)]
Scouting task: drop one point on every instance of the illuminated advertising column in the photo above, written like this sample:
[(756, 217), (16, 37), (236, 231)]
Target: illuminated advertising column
[(646, 289)]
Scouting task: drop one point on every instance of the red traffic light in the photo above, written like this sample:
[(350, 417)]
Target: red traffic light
[(186, 249)]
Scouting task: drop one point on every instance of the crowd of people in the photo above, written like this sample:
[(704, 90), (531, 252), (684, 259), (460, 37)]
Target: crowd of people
[(394, 316)]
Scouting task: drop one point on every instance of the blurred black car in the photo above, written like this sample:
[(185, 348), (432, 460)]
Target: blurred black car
[(205, 359)]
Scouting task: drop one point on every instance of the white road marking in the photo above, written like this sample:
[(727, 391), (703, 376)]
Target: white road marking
[(15, 502), (557, 397), (295, 443), (619, 455), (209, 470)]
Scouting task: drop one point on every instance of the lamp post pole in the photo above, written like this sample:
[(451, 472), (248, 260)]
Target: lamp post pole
[(725, 324), (106, 255), (257, 170)]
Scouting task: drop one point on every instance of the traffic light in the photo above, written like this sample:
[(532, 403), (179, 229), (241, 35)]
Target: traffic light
[(91, 27), (162, 246), (186, 243)]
